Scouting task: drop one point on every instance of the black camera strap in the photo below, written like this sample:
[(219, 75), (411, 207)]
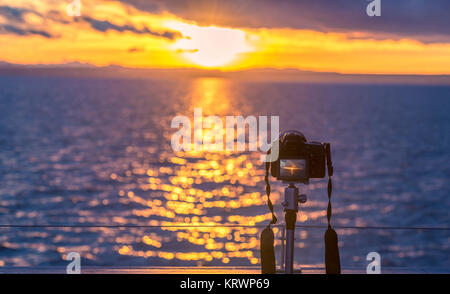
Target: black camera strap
[(269, 202), (267, 248), (332, 258)]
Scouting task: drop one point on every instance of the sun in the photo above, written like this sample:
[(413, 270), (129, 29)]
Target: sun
[(211, 46)]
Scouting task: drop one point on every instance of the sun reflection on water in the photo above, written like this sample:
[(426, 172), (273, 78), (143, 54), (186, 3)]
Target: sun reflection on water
[(204, 189), (190, 189)]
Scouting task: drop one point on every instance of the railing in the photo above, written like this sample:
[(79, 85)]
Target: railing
[(226, 226)]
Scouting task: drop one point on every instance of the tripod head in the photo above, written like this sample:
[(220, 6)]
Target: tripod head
[(292, 198)]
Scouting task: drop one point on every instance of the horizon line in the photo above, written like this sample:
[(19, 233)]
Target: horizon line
[(75, 65)]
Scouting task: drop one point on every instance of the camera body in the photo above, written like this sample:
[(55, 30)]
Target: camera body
[(298, 160)]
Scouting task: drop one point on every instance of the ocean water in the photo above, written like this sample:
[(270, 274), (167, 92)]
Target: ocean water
[(96, 152)]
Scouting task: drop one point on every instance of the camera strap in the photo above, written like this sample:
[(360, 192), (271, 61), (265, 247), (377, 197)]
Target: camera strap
[(269, 202), (267, 248), (332, 258)]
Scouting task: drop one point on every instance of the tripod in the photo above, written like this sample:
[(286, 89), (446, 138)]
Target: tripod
[(291, 200)]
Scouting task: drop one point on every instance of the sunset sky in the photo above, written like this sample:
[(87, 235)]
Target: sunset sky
[(410, 37)]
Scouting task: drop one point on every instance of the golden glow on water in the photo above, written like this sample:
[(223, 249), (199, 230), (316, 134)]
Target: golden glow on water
[(204, 189), (195, 193), (212, 95)]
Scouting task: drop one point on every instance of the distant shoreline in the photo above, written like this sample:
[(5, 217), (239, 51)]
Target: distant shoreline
[(254, 75)]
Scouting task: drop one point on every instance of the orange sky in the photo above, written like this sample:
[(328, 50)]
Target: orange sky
[(110, 32)]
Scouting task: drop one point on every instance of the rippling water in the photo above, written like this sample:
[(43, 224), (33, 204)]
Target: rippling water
[(97, 152)]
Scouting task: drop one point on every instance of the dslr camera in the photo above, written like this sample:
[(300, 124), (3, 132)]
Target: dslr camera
[(299, 160), (295, 160)]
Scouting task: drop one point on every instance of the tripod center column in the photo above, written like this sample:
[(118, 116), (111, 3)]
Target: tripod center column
[(291, 208)]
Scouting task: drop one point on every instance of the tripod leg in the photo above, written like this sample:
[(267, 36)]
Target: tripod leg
[(290, 217)]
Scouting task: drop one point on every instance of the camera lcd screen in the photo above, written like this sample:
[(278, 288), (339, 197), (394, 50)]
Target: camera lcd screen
[(293, 169)]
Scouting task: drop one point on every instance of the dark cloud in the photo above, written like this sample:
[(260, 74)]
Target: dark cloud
[(10, 29), (18, 26), (415, 18), (104, 25), (16, 23), (13, 13)]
